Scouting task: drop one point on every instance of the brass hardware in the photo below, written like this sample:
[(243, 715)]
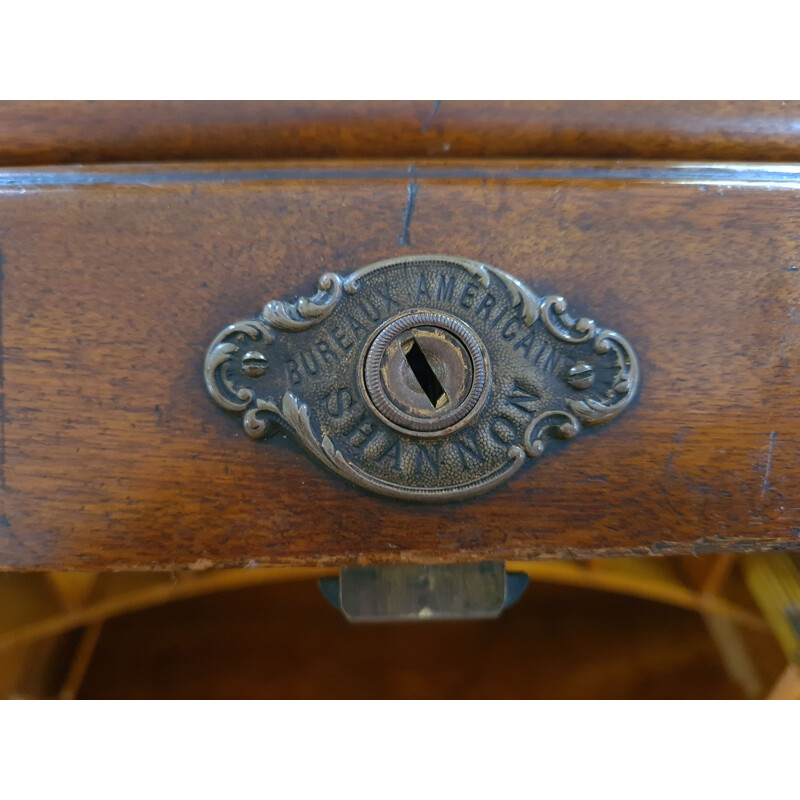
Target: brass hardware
[(426, 378), (580, 376), (424, 593), (425, 373), (254, 364)]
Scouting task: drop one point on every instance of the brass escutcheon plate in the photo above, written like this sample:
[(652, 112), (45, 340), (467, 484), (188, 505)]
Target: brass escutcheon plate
[(426, 378)]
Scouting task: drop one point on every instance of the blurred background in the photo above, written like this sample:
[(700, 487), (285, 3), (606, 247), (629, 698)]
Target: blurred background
[(713, 626)]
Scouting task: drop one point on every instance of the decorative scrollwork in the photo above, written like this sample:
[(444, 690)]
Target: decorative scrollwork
[(527, 300), (307, 312), (480, 271), (256, 427), (551, 375), (298, 416), (220, 353), (562, 325), (566, 429), (619, 396)]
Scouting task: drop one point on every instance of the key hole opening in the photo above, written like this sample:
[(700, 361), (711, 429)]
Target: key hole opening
[(425, 375)]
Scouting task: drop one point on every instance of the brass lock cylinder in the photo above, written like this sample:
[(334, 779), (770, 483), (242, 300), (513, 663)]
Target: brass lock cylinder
[(425, 373)]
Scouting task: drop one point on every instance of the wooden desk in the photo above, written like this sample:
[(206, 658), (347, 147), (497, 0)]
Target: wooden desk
[(116, 277)]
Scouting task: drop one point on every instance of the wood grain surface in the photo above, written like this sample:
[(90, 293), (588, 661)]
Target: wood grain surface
[(62, 132), (115, 280)]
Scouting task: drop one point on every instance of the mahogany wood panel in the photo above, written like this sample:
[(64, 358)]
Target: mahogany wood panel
[(105, 131), (115, 282)]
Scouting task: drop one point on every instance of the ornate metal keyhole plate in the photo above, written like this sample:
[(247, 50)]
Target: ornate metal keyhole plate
[(426, 378)]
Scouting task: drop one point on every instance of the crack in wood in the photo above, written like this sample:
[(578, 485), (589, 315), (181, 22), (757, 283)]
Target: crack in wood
[(408, 212), (768, 468), (436, 104)]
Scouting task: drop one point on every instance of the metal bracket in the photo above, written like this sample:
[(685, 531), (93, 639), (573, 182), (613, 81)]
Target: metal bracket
[(424, 592)]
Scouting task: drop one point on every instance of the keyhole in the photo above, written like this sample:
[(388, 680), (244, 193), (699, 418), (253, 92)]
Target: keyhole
[(425, 375)]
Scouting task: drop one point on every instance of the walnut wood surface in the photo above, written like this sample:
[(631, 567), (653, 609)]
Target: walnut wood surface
[(116, 280), (94, 132)]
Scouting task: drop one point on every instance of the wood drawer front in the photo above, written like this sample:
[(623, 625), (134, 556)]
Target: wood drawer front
[(69, 132), (116, 279)]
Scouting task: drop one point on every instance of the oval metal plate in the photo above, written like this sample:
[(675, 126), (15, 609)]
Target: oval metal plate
[(301, 366)]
